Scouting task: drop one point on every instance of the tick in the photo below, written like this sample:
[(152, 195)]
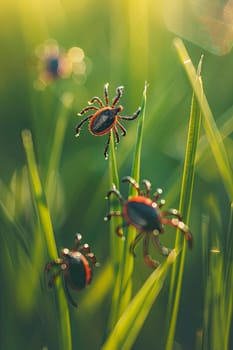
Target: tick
[(106, 117), (144, 213), (76, 267)]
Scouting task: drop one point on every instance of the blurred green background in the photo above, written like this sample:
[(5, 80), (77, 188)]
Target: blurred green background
[(125, 43)]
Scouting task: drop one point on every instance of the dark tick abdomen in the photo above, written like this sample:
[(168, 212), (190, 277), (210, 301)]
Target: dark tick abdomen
[(143, 216), (103, 122), (77, 273)]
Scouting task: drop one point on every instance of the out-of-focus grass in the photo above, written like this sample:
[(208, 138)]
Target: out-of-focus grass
[(125, 43), (218, 278), (47, 229)]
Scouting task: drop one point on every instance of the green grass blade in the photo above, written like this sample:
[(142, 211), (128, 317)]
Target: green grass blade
[(184, 208), (214, 312), (130, 323), (94, 297), (122, 261), (225, 124), (116, 244), (228, 280), (188, 179), (135, 173), (218, 279), (58, 139), (128, 260), (206, 280), (46, 227), (13, 222), (211, 130)]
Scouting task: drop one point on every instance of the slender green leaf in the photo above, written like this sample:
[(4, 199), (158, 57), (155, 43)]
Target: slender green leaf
[(47, 229), (184, 208), (122, 260), (218, 293), (58, 139), (212, 132), (131, 321), (116, 244), (127, 262), (228, 281), (94, 297)]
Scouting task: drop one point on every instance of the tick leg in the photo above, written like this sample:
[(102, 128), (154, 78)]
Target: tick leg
[(173, 212), (106, 93), (116, 134), (67, 292), (118, 214), (134, 116), (106, 146), (174, 222), (77, 130), (157, 194), (96, 99), (51, 264), (162, 249), (119, 197), (92, 257), (122, 128), (161, 203), (116, 193), (112, 213), (133, 183), (78, 238), (147, 258), (48, 267), (85, 249), (88, 108), (147, 185), (119, 228), (119, 92), (135, 242), (53, 278)]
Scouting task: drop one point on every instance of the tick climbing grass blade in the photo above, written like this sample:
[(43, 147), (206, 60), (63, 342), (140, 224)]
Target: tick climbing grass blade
[(105, 119), (127, 262), (122, 260), (47, 229)]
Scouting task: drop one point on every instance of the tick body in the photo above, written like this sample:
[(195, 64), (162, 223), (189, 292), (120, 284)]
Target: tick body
[(144, 213), (76, 267), (79, 272), (141, 212), (106, 117)]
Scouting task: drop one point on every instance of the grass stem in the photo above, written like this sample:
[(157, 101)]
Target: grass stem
[(184, 208), (47, 229)]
